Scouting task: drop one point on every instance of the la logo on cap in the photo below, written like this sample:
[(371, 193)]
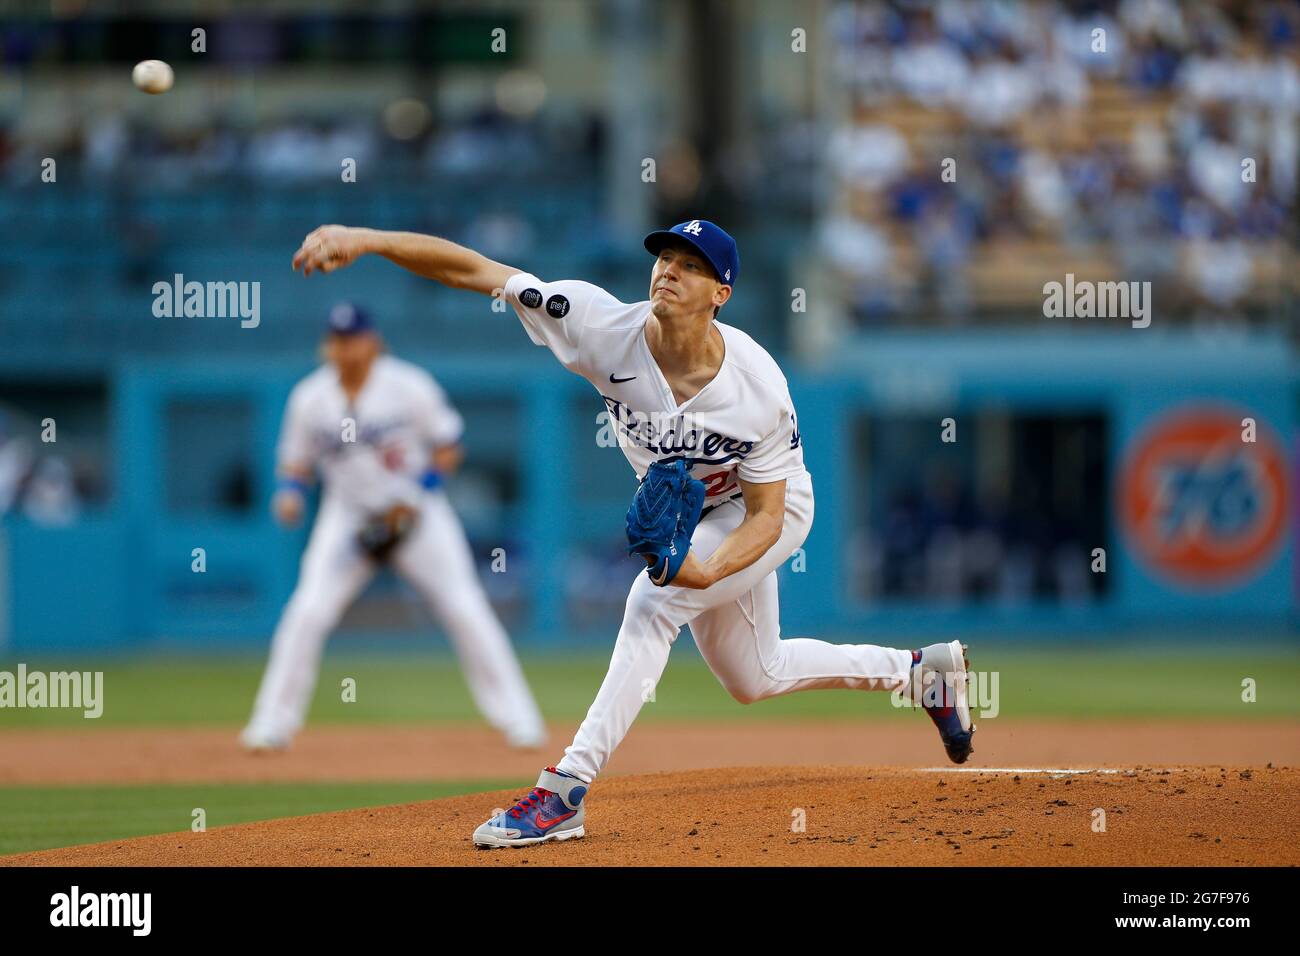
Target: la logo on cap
[(694, 228)]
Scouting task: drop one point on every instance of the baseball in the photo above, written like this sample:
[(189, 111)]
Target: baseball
[(152, 76)]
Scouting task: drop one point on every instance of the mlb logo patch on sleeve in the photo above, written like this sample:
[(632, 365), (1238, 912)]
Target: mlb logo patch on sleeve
[(557, 306)]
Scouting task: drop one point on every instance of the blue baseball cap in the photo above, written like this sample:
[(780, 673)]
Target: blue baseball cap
[(347, 318), (711, 241)]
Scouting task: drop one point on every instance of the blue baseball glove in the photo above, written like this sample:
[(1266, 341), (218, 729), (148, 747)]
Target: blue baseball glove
[(663, 515)]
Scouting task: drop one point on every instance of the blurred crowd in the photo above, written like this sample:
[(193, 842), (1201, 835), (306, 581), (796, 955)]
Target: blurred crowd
[(1015, 524), (950, 544), (1104, 136), (486, 141)]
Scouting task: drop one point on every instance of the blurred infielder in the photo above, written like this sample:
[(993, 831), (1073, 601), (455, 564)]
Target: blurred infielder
[(382, 435), (705, 419)]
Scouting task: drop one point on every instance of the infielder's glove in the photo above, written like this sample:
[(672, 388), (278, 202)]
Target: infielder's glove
[(663, 515), (385, 531)]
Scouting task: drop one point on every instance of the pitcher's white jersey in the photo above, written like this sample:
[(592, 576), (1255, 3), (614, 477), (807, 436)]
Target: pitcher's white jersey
[(370, 453), (740, 425)]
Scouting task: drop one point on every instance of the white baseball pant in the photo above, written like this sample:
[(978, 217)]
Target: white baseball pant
[(736, 624), (437, 561)]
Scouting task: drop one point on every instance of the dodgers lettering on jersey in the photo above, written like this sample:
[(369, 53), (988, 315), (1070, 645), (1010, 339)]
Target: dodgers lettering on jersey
[(741, 425), (401, 415)]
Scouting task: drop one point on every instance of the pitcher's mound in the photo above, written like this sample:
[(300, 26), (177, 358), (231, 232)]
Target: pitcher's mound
[(803, 816)]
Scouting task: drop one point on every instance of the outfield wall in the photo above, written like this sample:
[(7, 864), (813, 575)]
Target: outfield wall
[(1195, 519)]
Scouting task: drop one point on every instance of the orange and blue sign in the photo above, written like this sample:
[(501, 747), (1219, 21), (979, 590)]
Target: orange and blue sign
[(1203, 496)]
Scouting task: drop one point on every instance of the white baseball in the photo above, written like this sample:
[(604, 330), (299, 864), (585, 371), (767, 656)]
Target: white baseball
[(152, 76)]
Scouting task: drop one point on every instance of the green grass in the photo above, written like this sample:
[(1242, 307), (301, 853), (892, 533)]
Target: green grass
[(38, 818), (1087, 684)]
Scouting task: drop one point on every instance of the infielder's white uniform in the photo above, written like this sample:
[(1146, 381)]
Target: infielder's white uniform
[(741, 425), (400, 416)]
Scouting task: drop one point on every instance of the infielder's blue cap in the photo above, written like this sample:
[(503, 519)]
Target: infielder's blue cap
[(711, 241), (349, 319)]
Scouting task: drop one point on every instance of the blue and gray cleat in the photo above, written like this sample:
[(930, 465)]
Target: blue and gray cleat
[(938, 684), (553, 810)]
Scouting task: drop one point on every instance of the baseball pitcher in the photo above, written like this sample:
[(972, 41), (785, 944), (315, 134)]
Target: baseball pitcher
[(382, 436), (705, 419)]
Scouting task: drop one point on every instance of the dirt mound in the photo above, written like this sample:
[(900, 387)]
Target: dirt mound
[(803, 816), (474, 752)]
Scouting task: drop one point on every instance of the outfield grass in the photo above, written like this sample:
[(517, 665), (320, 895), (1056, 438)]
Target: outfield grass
[(1087, 684), (39, 818), (1204, 683)]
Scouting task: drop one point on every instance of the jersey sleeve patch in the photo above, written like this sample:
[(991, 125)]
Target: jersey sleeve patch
[(553, 313)]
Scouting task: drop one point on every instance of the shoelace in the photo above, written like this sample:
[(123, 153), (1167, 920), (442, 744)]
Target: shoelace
[(534, 798)]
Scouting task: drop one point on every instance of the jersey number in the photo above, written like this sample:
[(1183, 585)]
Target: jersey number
[(718, 482)]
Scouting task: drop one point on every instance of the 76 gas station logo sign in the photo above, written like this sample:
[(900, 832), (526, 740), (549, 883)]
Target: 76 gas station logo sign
[(1200, 505)]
